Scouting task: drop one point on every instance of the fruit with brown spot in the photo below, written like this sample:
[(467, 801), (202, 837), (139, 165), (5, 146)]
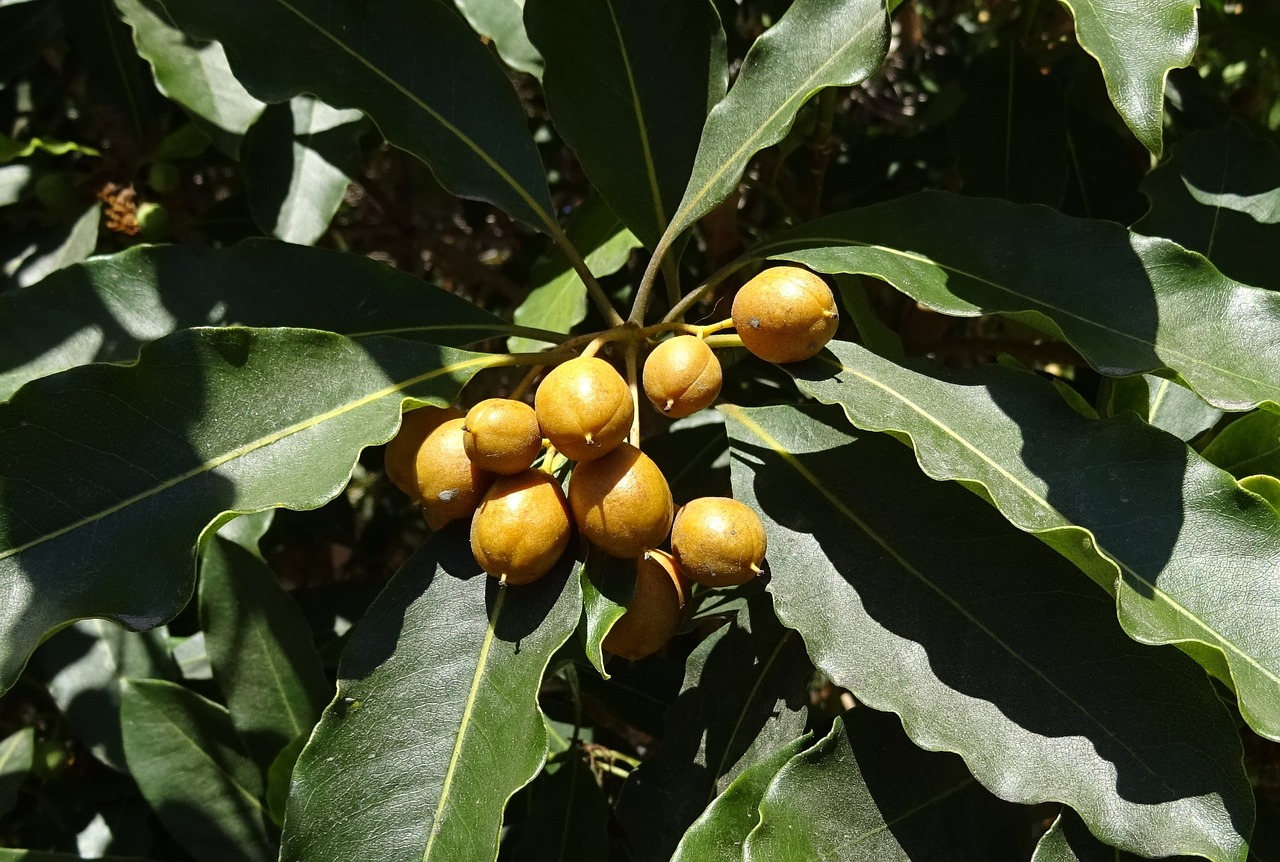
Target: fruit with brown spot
[(584, 408), (682, 376), (502, 436), (449, 485), (653, 615), (621, 502), (785, 314), (718, 541), (401, 457), (521, 528)]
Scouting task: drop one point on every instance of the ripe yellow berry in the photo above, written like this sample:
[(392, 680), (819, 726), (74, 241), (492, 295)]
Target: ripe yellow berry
[(653, 615), (502, 435), (621, 502), (449, 485), (718, 541), (401, 457), (521, 528), (584, 408), (682, 376), (785, 314)]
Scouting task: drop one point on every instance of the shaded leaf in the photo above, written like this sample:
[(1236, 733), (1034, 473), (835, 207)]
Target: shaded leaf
[(816, 44), (9, 855), (260, 650), (1219, 195), (719, 834), (457, 112), (208, 422), (1248, 446), (280, 776), (628, 84), (184, 754), (82, 665), (1068, 840), (694, 456), (194, 74), (984, 641), (26, 29), (436, 720), (103, 310), (297, 163), (744, 697), (1137, 42), (567, 818), (1130, 304), (42, 255), (1166, 404), (1084, 488), (502, 23), (608, 584), (16, 751), (192, 658)]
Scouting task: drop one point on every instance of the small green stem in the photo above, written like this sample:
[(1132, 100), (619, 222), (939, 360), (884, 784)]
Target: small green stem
[(682, 307), (641, 305), (715, 341)]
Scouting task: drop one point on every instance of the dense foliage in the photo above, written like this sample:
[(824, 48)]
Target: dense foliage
[(1021, 597)]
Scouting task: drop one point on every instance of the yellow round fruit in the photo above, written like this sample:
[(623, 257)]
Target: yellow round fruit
[(653, 615), (621, 502), (718, 541), (785, 314), (521, 528), (449, 485), (401, 457), (682, 376), (584, 408), (502, 435)]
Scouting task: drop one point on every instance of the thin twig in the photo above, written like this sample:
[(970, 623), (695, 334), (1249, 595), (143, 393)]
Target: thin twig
[(594, 290)]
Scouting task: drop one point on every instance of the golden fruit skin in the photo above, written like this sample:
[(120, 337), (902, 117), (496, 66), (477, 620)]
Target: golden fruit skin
[(785, 314), (682, 376), (718, 541), (401, 456), (502, 436), (654, 613), (449, 485), (584, 408), (521, 528), (621, 502)]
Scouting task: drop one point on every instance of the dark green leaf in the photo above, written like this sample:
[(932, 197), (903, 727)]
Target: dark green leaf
[(1083, 487), (502, 23), (1128, 303), (103, 310), (568, 817), (920, 599), (208, 422), (184, 754), (1248, 446), (1220, 195), (718, 835), (873, 331), (866, 794), (51, 251), (607, 586), (744, 698), (436, 720), (414, 68), (192, 73), (15, 762), (628, 84), (260, 648), (816, 44), (280, 776), (26, 29), (1167, 405), (297, 163), (1136, 43), (694, 456), (192, 658), (82, 666)]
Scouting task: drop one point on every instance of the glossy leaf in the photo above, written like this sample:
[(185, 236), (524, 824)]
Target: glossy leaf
[(1166, 404), (436, 721), (502, 23), (1219, 194), (1137, 42), (744, 698), (1045, 698), (260, 649), (1248, 446), (719, 834), (1130, 304), (82, 665), (568, 817), (1068, 840), (53, 250), (457, 112), (297, 163), (104, 309), (628, 84), (16, 751), (193, 73), (1082, 487), (217, 421), (184, 754), (608, 584), (816, 44), (866, 794)]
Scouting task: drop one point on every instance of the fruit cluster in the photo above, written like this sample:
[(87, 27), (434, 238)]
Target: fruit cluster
[(481, 464)]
